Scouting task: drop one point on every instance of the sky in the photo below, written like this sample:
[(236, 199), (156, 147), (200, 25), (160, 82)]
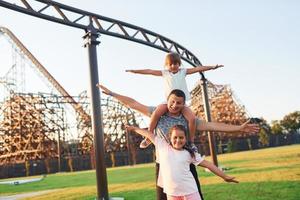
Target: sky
[(257, 41)]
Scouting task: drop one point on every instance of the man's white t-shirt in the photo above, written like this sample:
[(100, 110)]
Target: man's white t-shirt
[(175, 176), (175, 81)]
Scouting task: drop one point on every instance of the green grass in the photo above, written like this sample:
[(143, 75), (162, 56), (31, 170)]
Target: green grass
[(267, 174)]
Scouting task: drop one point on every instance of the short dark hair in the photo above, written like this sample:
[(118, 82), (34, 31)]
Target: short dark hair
[(177, 93)]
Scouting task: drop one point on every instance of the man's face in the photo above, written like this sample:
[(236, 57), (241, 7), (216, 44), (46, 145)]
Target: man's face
[(175, 104), (178, 139)]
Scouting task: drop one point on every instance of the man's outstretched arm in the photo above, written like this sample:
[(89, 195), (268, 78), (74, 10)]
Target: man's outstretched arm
[(202, 126), (221, 127), (127, 101)]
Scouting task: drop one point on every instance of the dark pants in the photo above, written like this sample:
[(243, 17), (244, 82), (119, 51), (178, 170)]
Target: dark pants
[(160, 195)]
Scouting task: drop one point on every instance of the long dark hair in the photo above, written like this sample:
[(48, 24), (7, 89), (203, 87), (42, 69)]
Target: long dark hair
[(182, 128)]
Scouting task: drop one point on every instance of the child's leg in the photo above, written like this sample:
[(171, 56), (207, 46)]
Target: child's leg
[(190, 116), (157, 113), (169, 197), (194, 196)]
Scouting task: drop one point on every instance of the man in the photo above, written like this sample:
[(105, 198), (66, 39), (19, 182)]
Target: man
[(175, 104)]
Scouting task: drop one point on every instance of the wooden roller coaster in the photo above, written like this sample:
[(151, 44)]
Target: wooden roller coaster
[(33, 126), (225, 107)]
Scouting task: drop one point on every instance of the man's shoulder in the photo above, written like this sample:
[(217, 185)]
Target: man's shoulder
[(151, 109)]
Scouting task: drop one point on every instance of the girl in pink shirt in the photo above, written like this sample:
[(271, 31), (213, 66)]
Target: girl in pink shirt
[(175, 158)]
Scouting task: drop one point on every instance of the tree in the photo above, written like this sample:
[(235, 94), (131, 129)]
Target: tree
[(291, 122), (263, 137), (277, 130), (276, 127), (264, 132)]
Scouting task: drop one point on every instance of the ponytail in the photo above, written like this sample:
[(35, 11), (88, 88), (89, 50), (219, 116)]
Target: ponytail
[(189, 149)]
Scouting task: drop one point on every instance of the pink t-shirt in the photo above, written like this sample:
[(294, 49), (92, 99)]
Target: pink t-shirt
[(174, 175)]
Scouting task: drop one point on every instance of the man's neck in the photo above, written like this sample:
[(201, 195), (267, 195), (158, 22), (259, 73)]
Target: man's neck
[(174, 114)]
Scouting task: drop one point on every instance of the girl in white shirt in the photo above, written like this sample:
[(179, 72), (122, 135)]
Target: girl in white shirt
[(175, 158), (174, 78)]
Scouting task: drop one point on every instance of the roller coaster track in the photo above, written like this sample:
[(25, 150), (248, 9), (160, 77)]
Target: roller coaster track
[(77, 18), (68, 98)]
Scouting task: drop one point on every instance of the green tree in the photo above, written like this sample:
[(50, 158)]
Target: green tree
[(264, 132), (276, 127), (291, 122), (263, 137), (277, 130)]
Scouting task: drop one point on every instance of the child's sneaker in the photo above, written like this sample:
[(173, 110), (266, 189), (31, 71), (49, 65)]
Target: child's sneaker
[(145, 143)]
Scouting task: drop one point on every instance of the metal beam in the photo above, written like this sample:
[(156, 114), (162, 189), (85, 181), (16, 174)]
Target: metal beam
[(77, 18)]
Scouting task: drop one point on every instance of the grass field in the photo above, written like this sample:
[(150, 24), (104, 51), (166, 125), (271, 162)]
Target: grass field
[(267, 174)]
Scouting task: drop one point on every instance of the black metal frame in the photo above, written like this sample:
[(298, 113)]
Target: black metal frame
[(103, 25)]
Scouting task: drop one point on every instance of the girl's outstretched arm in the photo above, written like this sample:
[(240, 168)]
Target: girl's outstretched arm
[(202, 68), (142, 132), (145, 71), (214, 169)]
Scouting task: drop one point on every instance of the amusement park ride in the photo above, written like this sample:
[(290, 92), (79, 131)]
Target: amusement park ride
[(30, 122), (23, 131)]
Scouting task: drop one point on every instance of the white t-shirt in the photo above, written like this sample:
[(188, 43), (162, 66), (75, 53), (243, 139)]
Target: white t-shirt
[(175, 81), (175, 176)]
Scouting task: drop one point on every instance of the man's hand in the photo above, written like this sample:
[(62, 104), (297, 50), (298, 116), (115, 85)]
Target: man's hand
[(249, 128), (105, 90)]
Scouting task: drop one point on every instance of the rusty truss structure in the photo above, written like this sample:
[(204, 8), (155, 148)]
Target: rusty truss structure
[(115, 117), (225, 106), (30, 128), (35, 126)]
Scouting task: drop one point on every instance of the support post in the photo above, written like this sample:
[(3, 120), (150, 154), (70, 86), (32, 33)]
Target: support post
[(59, 152), (128, 148), (96, 118), (211, 137)]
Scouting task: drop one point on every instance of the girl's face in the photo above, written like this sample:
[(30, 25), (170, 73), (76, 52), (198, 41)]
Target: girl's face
[(173, 67), (178, 139)]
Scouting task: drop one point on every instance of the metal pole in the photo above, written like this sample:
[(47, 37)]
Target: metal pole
[(97, 129), (59, 152), (128, 147), (211, 137)]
